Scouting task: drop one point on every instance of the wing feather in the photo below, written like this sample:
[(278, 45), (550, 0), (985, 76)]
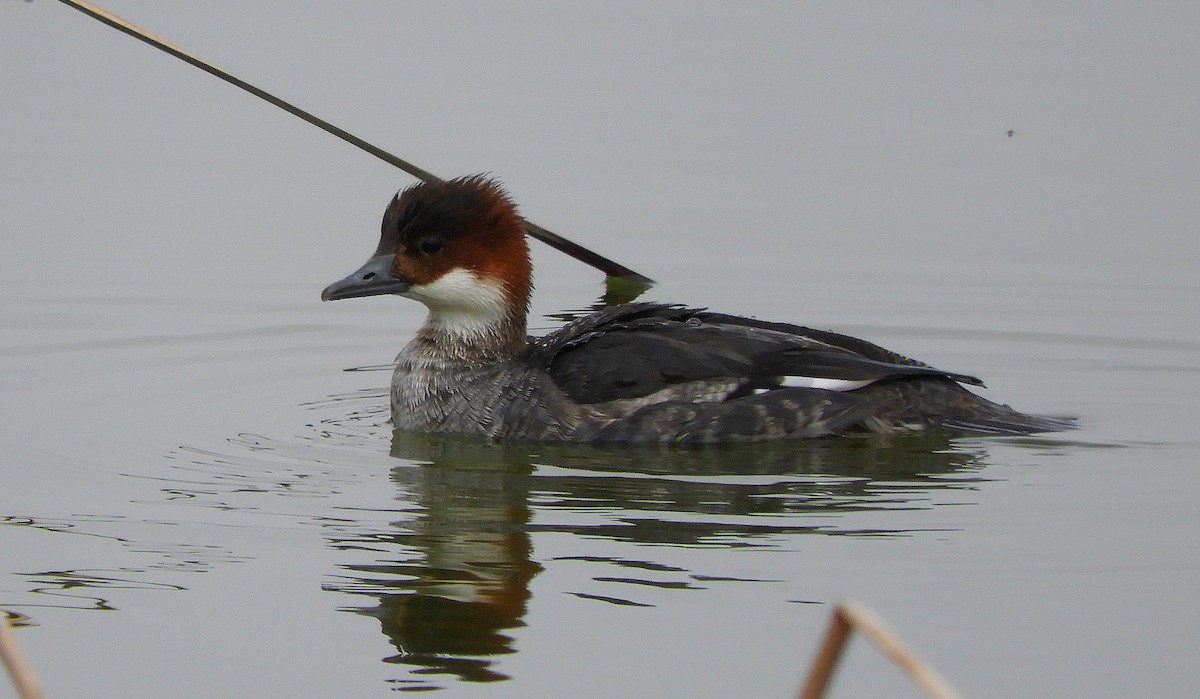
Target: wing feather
[(637, 350)]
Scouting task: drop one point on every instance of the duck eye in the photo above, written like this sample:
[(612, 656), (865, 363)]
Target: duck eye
[(430, 245)]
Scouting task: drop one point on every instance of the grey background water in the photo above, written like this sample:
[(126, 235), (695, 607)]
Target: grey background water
[(199, 501)]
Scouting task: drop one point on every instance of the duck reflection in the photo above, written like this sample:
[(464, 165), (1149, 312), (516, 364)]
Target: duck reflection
[(463, 576), (457, 579), (746, 492)]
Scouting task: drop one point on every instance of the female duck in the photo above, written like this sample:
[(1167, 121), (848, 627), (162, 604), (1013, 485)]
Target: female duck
[(638, 372)]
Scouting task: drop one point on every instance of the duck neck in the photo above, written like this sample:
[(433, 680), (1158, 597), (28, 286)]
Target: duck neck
[(470, 338), (484, 324)]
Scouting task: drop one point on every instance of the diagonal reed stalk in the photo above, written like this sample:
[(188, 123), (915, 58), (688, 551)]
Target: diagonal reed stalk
[(14, 662), (612, 269), (847, 618)]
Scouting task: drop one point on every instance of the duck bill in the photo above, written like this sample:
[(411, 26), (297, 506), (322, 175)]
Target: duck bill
[(372, 279)]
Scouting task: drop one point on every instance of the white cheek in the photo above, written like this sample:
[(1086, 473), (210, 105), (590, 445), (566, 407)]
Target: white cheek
[(460, 289), (461, 303)]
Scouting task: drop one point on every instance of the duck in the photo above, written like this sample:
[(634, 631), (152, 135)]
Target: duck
[(638, 372)]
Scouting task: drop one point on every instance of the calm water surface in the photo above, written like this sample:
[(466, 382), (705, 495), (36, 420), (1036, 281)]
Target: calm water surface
[(200, 492)]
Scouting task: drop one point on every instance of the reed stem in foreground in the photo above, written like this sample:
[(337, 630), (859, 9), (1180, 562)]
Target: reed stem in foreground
[(14, 662), (847, 618)]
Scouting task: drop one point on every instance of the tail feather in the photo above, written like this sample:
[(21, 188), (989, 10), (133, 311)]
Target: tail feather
[(1016, 424), (905, 404)]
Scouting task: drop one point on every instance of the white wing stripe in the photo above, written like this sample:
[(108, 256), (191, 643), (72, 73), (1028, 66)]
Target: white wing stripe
[(824, 383)]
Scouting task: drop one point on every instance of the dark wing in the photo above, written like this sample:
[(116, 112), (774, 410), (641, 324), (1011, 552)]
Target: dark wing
[(635, 350), (859, 349)]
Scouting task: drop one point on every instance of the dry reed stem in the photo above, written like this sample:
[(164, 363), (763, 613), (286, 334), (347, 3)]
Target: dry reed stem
[(554, 240), (848, 617), (14, 662)]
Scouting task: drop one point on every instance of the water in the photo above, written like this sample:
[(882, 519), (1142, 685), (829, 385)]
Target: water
[(199, 500)]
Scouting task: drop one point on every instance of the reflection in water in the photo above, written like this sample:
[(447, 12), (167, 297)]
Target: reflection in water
[(447, 564), (453, 578), (259, 476), (746, 492), (87, 589), (461, 578), (93, 588)]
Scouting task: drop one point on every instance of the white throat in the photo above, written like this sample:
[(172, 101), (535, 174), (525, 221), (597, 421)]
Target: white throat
[(463, 306)]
